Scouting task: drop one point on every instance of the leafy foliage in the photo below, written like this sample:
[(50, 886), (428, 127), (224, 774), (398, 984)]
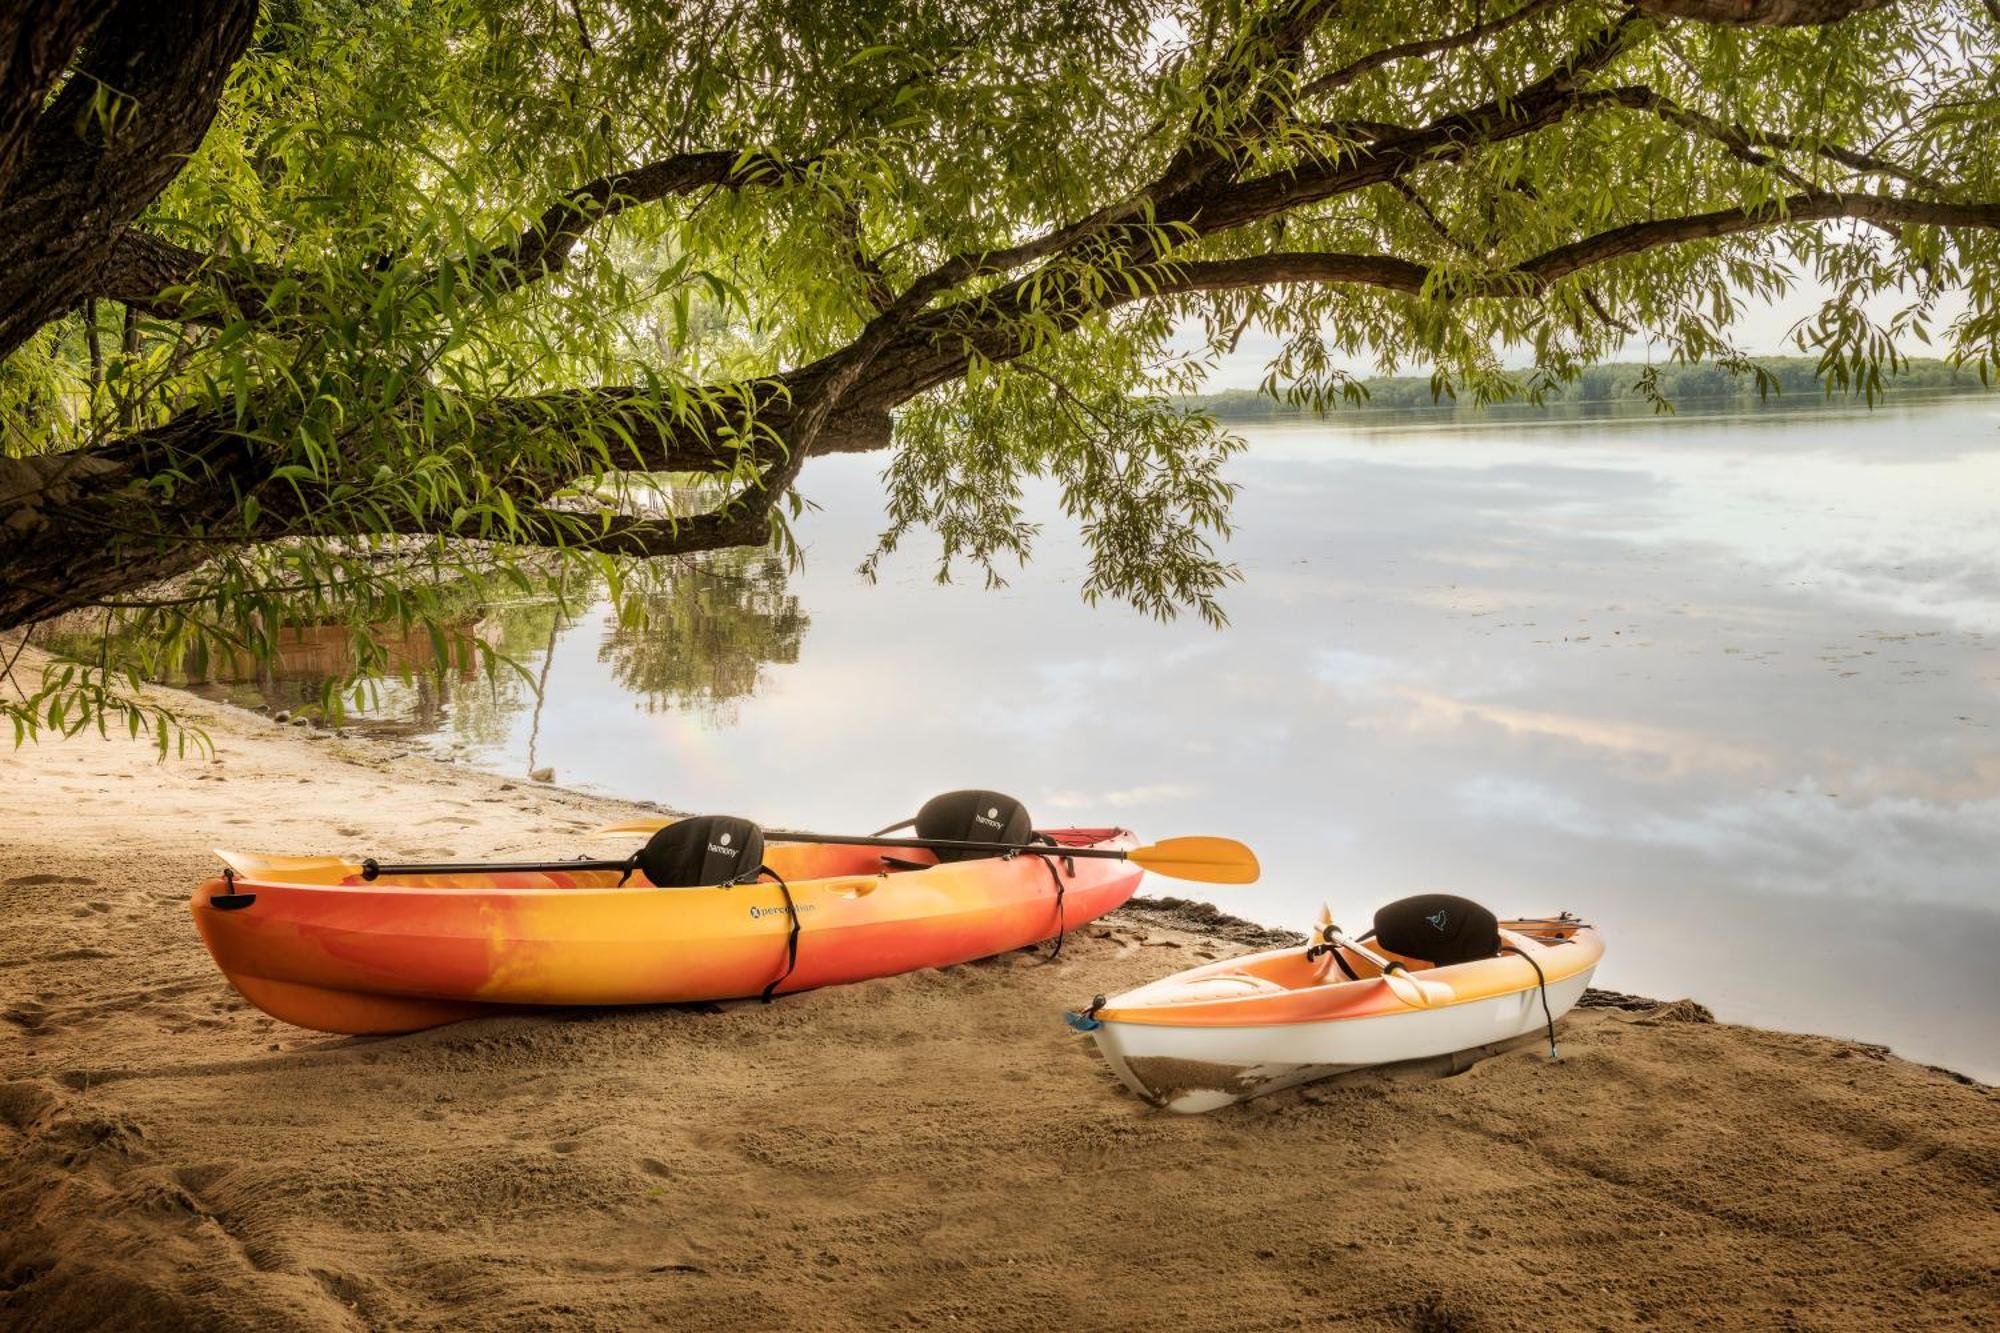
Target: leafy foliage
[(1777, 381), (457, 293)]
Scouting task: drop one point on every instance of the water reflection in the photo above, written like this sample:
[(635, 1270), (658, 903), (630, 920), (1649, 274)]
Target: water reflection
[(1727, 685), (695, 638), (702, 643)]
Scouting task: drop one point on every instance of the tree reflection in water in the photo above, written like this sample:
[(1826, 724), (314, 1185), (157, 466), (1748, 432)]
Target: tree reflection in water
[(693, 634), (701, 644)]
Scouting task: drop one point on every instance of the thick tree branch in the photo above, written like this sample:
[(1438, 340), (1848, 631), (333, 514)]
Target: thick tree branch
[(1479, 32), (1278, 37), (1762, 13), (648, 537), (1295, 266), (1535, 107), (1744, 141), (544, 247), (1532, 276), (1628, 240), (154, 274)]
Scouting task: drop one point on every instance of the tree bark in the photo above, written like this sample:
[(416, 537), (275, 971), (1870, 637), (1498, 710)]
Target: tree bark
[(38, 39), (138, 102)]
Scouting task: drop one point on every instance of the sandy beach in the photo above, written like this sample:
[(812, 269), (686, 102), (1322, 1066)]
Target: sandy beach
[(927, 1150)]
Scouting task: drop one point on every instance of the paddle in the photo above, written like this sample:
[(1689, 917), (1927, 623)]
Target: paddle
[(250, 865), (1207, 860), (1411, 989)]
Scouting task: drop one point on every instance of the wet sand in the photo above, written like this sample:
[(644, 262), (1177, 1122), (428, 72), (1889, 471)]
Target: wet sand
[(924, 1150)]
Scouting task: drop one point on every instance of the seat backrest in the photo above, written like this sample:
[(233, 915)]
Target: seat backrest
[(703, 850), (1440, 928), (974, 816)]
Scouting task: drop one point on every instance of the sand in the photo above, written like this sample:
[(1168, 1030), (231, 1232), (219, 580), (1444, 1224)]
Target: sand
[(934, 1149)]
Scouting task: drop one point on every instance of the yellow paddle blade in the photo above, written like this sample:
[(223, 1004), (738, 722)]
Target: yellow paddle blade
[(255, 863), (643, 828), (1209, 860)]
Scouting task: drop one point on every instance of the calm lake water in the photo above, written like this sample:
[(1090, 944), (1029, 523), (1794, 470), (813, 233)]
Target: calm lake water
[(1728, 686)]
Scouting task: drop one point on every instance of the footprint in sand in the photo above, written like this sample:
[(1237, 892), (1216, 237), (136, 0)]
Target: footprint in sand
[(36, 881)]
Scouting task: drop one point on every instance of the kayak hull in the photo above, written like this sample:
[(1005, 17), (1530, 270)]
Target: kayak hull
[(1225, 1032), (325, 950)]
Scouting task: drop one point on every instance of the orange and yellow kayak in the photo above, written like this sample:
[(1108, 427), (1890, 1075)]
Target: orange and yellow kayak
[(311, 942)]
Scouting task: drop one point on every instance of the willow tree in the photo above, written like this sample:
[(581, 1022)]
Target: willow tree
[(309, 312)]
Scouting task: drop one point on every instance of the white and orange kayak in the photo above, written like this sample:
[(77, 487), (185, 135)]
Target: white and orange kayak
[(1240, 1028)]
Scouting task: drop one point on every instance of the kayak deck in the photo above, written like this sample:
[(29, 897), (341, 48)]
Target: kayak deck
[(1244, 1027), (1285, 986)]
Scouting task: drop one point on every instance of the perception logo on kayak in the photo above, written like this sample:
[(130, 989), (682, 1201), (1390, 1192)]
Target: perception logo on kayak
[(1436, 920), (756, 912)]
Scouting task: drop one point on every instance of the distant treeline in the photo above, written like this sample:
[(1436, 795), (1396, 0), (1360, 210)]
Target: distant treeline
[(1791, 382)]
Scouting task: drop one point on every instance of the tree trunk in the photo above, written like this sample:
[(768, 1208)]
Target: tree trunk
[(141, 98)]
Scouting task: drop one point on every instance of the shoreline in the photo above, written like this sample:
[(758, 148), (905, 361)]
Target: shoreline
[(871, 1155), (1193, 914)]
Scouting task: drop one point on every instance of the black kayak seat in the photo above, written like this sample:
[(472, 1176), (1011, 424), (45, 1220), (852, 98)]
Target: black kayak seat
[(974, 816), (1438, 928), (707, 849)]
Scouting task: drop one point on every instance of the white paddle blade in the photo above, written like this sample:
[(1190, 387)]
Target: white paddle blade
[(1417, 992), (1324, 967)]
